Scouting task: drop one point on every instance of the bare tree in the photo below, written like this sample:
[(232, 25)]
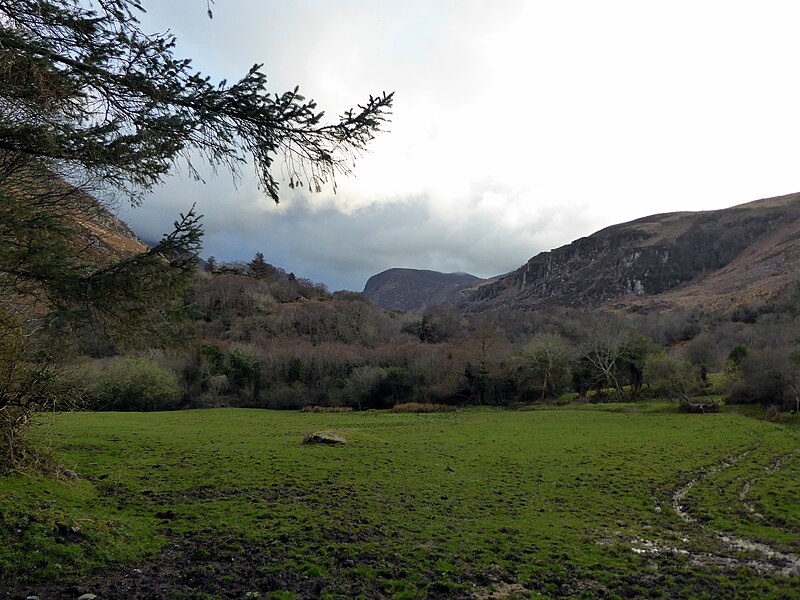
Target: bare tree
[(543, 365)]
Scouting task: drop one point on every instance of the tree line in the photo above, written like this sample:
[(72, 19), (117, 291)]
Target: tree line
[(258, 343)]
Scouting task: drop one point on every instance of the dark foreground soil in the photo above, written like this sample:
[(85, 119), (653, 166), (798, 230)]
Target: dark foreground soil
[(227, 569)]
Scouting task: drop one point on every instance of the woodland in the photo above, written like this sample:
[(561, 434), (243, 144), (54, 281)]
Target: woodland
[(260, 337), (93, 107)]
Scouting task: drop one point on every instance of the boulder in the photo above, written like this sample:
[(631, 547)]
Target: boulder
[(68, 473), (325, 437)]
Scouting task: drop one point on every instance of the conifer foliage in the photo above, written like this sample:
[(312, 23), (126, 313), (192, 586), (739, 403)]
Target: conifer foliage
[(82, 84)]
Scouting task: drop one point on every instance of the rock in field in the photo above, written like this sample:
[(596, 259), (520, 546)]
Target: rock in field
[(324, 437)]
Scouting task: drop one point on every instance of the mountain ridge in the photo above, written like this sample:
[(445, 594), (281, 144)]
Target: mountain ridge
[(413, 289), (680, 258), (714, 259)]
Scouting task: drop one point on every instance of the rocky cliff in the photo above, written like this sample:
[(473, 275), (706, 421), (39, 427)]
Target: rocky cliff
[(685, 258)]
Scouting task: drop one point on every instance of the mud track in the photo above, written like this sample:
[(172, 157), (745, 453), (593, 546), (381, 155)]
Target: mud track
[(786, 564)]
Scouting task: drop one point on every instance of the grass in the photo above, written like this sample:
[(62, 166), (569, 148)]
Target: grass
[(556, 502)]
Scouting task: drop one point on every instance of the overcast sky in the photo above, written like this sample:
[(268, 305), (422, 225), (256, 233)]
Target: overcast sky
[(518, 125)]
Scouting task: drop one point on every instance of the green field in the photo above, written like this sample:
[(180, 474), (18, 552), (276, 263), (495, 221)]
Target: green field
[(622, 500)]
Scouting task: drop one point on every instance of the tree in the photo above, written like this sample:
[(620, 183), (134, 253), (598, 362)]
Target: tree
[(484, 352), (260, 268), (793, 375), (733, 366), (434, 327), (377, 387), (89, 103), (601, 356), (704, 353), (50, 287), (763, 379), (542, 367), (633, 360), (612, 357), (670, 376), (29, 381)]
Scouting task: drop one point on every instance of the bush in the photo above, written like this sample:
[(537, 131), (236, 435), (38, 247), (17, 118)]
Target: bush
[(764, 380), (671, 377), (131, 384), (772, 413), (284, 396)]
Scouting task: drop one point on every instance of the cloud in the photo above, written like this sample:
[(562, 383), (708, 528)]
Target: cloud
[(315, 238), (518, 126)]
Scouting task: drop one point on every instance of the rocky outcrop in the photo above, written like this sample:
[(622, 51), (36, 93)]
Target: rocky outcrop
[(660, 255), (102, 233)]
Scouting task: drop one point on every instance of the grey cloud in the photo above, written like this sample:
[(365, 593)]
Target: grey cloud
[(573, 162), (316, 240)]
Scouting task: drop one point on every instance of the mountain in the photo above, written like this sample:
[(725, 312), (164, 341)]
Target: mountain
[(98, 236), (411, 289), (715, 259), (106, 237)]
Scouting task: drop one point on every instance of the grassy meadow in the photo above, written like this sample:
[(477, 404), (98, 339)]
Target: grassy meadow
[(617, 500)]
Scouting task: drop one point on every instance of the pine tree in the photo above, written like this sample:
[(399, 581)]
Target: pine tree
[(259, 268), (83, 87)]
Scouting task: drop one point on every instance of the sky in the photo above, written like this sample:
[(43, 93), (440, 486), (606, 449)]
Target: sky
[(518, 125)]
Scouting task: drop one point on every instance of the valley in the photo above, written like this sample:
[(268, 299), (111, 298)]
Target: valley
[(617, 417), (715, 260)]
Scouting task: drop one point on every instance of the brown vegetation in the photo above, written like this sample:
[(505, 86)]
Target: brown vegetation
[(422, 407)]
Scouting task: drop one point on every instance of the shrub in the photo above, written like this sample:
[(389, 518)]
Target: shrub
[(764, 380), (772, 413), (671, 377), (283, 396), (131, 384)]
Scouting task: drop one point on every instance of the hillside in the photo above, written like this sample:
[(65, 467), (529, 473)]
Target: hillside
[(106, 236), (717, 258), (98, 236), (411, 289)]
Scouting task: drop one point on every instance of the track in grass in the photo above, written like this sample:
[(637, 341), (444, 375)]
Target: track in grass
[(768, 558)]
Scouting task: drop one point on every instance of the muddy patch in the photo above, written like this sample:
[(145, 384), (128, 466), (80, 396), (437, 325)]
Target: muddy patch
[(680, 494), (236, 569), (767, 559)]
